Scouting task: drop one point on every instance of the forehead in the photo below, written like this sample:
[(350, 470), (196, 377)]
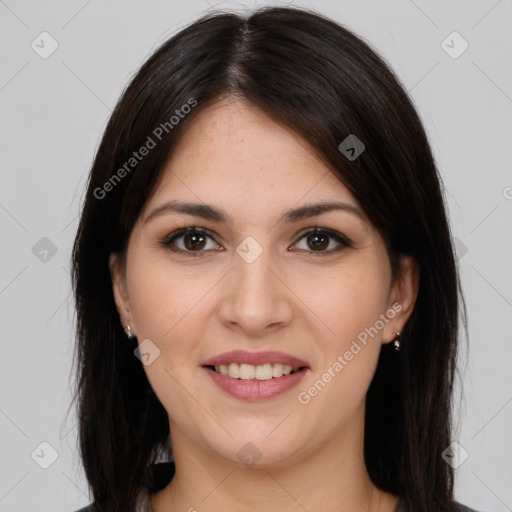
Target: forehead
[(235, 135), (232, 154)]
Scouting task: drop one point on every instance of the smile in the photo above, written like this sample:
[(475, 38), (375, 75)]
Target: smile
[(255, 375), (260, 372)]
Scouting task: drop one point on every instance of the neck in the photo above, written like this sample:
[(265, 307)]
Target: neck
[(333, 477)]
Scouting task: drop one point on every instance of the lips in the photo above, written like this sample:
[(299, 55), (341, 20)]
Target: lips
[(253, 389), (257, 386), (256, 359)]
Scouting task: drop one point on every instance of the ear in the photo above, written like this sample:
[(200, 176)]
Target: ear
[(402, 297), (118, 276)]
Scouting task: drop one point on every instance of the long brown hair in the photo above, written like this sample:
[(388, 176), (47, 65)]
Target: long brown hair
[(318, 78)]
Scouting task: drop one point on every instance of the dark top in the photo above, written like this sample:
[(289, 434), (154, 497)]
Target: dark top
[(160, 475)]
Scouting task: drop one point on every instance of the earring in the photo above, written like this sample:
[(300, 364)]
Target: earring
[(396, 342), (128, 331)]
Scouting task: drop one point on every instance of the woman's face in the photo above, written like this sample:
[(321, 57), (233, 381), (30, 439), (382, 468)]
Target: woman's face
[(258, 282)]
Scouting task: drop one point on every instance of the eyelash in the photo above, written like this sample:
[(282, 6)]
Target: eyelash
[(338, 237)]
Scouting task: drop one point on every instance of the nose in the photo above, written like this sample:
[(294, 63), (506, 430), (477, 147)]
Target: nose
[(256, 298)]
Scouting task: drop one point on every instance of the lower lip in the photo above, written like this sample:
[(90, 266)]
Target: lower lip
[(255, 389)]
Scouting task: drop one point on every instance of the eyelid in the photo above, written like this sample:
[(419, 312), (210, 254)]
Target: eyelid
[(167, 241), (339, 237), (342, 240)]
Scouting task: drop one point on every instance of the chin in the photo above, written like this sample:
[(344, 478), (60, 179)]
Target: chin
[(261, 451)]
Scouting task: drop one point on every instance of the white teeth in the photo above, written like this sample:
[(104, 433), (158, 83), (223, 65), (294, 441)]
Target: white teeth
[(264, 372), (233, 370), (246, 371), (277, 371), (249, 371)]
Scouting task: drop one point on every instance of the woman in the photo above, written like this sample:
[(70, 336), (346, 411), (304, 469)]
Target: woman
[(264, 276)]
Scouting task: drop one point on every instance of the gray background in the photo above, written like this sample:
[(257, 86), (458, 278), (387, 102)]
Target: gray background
[(53, 112)]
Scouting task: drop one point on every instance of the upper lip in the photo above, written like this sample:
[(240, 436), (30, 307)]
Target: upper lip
[(255, 358)]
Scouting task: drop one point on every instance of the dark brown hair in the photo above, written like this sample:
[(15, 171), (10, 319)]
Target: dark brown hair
[(318, 78)]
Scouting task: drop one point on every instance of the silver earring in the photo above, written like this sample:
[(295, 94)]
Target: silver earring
[(396, 342), (128, 331)]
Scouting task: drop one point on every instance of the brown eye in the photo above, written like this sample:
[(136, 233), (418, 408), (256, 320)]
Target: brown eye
[(192, 241), (318, 240)]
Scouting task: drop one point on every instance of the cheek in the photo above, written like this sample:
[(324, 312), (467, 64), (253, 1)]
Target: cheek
[(346, 303), (163, 298), (349, 334), (165, 307)]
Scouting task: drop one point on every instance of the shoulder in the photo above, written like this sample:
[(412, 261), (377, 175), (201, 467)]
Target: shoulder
[(463, 508), (88, 508), (458, 507)]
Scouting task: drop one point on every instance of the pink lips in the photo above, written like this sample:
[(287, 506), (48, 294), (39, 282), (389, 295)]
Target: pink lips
[(252, 389), (255, 358)]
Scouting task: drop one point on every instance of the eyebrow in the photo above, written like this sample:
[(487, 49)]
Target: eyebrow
[(209, 212)]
